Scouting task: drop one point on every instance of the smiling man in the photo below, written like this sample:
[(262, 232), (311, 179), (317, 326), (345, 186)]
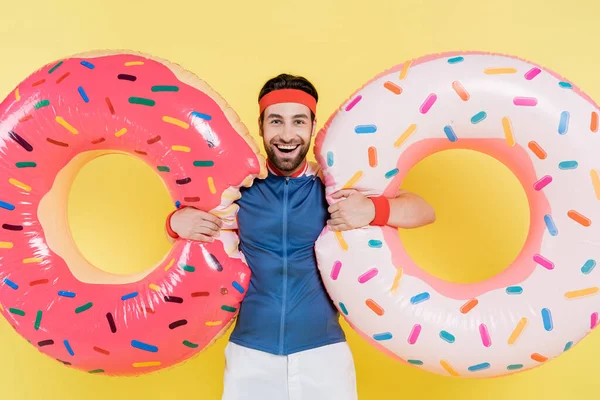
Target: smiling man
[(287, 342)]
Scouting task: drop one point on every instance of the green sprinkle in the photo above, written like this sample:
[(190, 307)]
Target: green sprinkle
[(164, 169), (16, 311), (42, 103), (25, 164), (83, 308), (165, 89), (38, 320), (142, 101), (188, 268), (204, 163), (55, 67), (190, 344), (96, 371), (227, 308)]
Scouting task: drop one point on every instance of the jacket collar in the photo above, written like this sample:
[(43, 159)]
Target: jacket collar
[(301, 172)]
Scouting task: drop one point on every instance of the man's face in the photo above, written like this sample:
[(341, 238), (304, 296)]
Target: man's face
[(287, 129)]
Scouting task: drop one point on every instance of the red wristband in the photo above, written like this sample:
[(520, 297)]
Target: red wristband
[(382, 210), (170, 231)]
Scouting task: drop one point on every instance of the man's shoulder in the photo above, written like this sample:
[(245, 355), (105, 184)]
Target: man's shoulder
[(314, 169)]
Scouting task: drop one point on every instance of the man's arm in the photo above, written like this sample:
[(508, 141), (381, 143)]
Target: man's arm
[(355, 210)]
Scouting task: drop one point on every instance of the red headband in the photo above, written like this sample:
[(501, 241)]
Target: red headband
[(288, 96)]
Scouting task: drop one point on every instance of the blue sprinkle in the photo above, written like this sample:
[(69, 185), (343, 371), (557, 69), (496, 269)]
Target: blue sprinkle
[(11, 283), (420, 298), (6, 206), (383, 336), (479, 367), (202, 116), (415, 362), (514, 290), (477, 118), (84, 96), (568, 164), (344, 309), (177, 204), (450, 133), (588, 266), (129, 296), (448, 337), (563, 126), (88, 65), (568, 346), (514, 367), (376, 244), (550, 225), (365, 129), (329, 159), (455, 60), (68, 347), (391, 173), (547, 318), (238, 287), (565, 85), (144, 346), (66, 294)]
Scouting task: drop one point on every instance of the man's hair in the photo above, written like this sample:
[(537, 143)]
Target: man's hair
[(288, 81)]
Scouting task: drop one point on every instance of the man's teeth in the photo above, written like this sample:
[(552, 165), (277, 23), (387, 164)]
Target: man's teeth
[(288, 147)]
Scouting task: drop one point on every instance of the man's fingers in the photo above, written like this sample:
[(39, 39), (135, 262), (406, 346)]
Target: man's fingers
[(208, 231), (215, 220), (201, 238)]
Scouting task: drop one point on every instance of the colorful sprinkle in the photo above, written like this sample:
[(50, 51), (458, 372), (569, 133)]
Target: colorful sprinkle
[(63, 293), (38, 282), (397, 278), (200, 294), (11, 284), (146, 364), (542, 182), (68, 347), (455, 60), (525, 101), (405, 68), (392, 87), (372, 156), (514, 367), (448, 337), (576, 294), (177, 324), (211, 185), (375, 244), (537, 150), (173, 299), (367, 276), (6, 206), (96, 371), (57, 143), (354, 102), (83, 94), (19, 184), (63, 77), (163, 168), (382, 336), (405, 135), (144, 346), (183, 181), (477, 118), (547, 319), (110, 106), (498, 71), (16, 311), (213, 263), (17, 95), (111, 323), (6, 245), (565, 85), (341, 241), (205, 117), (448, 368), (190, 344), (579, 218), (330, 159), (188, 268), (127, 77), (538, 357), (468, 306), (20, 141), (485, 335), (38, 320), (10, 227), (449, 131), (593, 320), (543, 261), (159, 88), (550, 225), (32, 260), (170, 264), (532, 73), (508, 131), (414, 334), (420, 298), (595, 182), (88, 65), (142, 101), (376, 308), (101, 351), (391, 173), (181, 148), (360, 129), (238, 287), (415, 362), (203, 163), (517, 331), (343, 308), (461, 91), (228, 308), (568, 165), (129, 296), (66, 125), (213, 323), (38, 83), (514, 290), (568, 346), (588, 266), (176, 122), (428, 103), (594, 122), (563, 125), (353, 180), (479, 367), (84, 307), (26, 118)]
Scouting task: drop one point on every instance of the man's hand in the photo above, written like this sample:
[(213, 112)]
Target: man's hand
[(355, 210), (192, 224)]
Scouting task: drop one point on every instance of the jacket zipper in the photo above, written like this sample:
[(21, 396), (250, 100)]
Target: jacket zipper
[(284, 242)]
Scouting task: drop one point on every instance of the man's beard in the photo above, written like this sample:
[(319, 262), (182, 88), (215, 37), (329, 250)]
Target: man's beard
[(287, 164)]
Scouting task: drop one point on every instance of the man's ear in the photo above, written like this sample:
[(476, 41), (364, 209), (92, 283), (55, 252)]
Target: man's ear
[(260, 127), (314, 127)]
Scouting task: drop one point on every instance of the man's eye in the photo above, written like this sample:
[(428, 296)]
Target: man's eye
[(300, 121)]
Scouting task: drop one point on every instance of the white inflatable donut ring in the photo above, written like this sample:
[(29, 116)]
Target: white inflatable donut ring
[(541, 127)]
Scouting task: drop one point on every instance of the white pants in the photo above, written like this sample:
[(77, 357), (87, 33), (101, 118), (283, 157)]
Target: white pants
[(324, 373)]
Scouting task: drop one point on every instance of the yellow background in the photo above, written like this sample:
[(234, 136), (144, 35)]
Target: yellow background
[(235, 46)]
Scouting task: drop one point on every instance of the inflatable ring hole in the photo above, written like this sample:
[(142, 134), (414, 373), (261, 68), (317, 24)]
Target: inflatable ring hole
[(483, 216), (112, 206)]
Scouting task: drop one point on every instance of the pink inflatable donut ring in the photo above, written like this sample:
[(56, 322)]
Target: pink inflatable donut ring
[(89, 105), (545, 130)]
